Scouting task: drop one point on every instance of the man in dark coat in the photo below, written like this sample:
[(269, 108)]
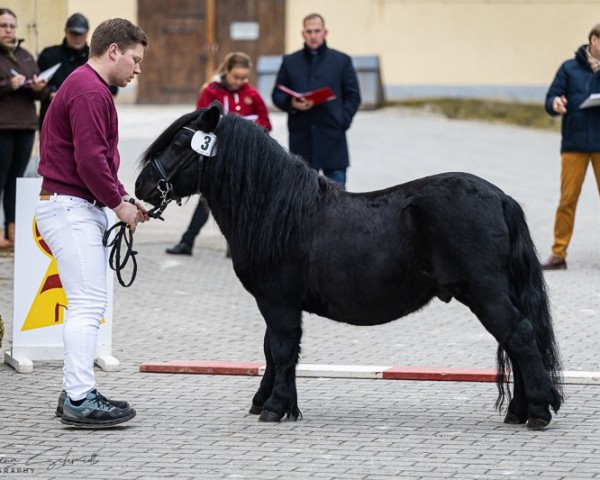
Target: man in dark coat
[(575, 81), (72, 53), (317, 132)]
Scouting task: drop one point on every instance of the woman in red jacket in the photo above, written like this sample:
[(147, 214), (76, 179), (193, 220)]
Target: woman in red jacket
[(231, 88)]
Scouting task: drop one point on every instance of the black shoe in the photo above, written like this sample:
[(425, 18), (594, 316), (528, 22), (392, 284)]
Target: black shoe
[(94, 412), (181, 248), (63, 396)]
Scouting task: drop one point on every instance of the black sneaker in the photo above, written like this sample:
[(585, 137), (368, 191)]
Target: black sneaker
[(94, 412), (181, 248), (63, 395)]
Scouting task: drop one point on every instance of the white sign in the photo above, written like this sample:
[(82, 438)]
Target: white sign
[(244, 30), (39, 299)]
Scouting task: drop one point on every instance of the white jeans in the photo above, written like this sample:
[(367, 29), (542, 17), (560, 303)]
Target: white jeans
[(72, 228)]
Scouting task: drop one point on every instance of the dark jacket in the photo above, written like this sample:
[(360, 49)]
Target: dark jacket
[(319, 134), (576, 81), (17, 107), (70, 59)]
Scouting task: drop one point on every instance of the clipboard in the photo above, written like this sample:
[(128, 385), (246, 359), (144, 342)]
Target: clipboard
[(318, 96), (49, 73), (592, 101)]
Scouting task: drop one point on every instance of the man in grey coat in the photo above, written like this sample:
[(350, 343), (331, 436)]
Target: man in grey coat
[(317, 131)]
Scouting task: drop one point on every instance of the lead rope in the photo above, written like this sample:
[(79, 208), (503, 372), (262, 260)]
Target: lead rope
[(122, 234)]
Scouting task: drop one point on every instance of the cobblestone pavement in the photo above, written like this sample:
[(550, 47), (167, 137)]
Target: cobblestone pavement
[(197, 426)]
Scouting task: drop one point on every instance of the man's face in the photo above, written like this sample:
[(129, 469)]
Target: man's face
[(126, 65), (314, 33), (595, 46), (76, 41)]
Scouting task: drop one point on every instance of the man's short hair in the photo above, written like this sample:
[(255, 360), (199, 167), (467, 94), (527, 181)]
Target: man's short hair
[(116, 30), (595, 32), (312, 16)]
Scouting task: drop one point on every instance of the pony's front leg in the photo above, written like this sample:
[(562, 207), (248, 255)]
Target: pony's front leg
[(284, 333), (267, 381)]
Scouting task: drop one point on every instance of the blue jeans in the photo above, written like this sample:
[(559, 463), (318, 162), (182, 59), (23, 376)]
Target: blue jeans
[(338, 176)]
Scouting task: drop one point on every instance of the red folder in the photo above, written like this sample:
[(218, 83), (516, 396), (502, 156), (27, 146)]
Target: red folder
[(321, 95)]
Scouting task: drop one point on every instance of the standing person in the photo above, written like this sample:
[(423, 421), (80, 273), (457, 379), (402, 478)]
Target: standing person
[(575, 80), (318, 132), (231, 88), (79, 160), (72, 53), (19, 88)]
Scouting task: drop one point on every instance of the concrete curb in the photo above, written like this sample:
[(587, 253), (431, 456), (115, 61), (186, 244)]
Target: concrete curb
[(350, 371)]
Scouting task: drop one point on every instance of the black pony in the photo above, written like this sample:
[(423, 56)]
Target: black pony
[(298, 243)]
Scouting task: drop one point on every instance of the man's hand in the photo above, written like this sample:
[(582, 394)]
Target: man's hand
[(302, 104), (142, 211), (559, 104), (37, 84), (129, 214)]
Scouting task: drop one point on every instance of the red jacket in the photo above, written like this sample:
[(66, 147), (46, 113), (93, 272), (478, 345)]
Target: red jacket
[(245, 101)]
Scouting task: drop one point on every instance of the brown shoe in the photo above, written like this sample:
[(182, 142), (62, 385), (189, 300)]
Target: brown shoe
[(4, 243), (555, 263)]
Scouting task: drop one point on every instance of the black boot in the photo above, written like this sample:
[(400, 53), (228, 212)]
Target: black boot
[(181, 248)]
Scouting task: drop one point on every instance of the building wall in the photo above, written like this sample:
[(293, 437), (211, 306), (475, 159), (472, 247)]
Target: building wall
[(42, 23), (506, 49)]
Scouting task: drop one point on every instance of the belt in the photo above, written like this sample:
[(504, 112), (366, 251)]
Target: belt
[(47, 195)]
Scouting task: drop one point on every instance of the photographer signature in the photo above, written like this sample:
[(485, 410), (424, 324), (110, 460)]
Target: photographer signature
[(38, 461)]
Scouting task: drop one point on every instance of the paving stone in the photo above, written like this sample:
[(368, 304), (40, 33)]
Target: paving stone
[(198, 426)]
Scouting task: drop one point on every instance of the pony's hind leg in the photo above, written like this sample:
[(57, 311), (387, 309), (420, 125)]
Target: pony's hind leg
[(517, 337), (541, 394), (267, 381), (517, 411)]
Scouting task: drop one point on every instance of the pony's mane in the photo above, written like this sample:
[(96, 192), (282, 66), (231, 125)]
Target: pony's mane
[(270, 196), (166, 137)]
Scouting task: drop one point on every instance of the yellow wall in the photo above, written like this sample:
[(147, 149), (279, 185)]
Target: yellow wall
[(465, 45), (50, 16), (42, 23), (459, 43)]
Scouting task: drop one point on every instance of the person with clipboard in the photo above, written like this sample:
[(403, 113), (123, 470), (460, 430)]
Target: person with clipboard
[(571, 95), (19, 88), (318, 118)]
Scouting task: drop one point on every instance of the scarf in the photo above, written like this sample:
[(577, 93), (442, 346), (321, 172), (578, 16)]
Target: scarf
[(593, 62)]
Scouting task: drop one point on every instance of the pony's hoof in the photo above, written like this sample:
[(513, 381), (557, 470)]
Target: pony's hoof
[(255, 410), (268, 416), (513, 419), (537, 424)]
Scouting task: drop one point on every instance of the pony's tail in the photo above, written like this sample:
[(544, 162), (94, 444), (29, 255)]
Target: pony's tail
[(528, 293)]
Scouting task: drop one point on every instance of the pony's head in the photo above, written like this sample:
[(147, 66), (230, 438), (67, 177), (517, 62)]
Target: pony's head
[(171, 168)]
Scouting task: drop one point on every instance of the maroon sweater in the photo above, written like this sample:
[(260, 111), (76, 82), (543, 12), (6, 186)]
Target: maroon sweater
[(78, 141)]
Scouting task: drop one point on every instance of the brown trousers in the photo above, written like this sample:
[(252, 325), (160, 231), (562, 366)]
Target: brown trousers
[(574, 167)]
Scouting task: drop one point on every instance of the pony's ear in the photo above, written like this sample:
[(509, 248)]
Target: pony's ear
[(216, 103), (210, 118)]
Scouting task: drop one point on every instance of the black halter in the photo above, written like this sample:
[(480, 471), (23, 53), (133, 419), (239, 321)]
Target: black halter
[(165, 186)]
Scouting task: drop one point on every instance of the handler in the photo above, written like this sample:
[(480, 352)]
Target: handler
[(79, 160)]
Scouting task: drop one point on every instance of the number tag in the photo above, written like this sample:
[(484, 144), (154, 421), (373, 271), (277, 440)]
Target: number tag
[(204, 143)]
